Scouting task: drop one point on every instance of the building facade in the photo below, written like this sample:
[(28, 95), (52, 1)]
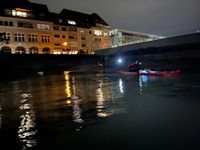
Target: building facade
[(31, 29), (119, 37)]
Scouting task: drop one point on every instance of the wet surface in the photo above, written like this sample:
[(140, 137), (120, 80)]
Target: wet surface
[(100, 111)]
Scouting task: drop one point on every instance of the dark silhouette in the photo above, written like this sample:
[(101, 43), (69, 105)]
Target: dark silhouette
[(134, 67)]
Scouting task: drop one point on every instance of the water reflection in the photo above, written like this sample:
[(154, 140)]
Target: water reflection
[(143, 81), (121, 86), (101, 112), (109, 100), (76, 108), (108, 96), (67, 84), (73, 99), (26, 130)]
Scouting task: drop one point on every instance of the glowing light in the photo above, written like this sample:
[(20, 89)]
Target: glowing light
[(98, 32), (26, 130), (120, 60), (19, 13), (57, 52), (72, 22), (67, 84), (68, 101), (43, 26), (121, 86), (64, 43)]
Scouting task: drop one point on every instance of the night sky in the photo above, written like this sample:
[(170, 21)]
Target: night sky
[(161, 17)]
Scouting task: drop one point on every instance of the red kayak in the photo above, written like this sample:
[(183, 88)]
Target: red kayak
[(151, 73)]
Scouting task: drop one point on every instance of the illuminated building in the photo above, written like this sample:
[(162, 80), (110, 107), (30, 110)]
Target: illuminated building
[(119, 37), (31, 29)]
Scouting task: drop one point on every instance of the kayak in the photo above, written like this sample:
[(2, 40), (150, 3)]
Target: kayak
[(150, 72)]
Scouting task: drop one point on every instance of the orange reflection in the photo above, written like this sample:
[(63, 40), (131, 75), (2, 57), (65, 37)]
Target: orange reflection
[(67, 84)]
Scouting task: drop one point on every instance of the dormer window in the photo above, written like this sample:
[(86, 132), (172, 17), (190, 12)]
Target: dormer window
[(60, 20), (19, 13), (72, 22)]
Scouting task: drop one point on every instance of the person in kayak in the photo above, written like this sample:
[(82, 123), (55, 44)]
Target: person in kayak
[(134, 67)]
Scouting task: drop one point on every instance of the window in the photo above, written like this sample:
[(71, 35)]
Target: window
[(97, 39), (25, 24), (8, 36), (72, 37), (19, 13), (105, 34), (98, 32), (32, 38), (73, 44), (82, 31), (57, 44), (19, 37), (6, 23), (56, 28), (45, 39), (5, 36), (72, 22), (60, 20), (64, 29), (83, 38), (73, 29), (10, 23), (56, 35), (43, 26)]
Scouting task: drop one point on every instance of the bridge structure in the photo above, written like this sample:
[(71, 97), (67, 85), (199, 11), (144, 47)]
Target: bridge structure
[(178, 51)]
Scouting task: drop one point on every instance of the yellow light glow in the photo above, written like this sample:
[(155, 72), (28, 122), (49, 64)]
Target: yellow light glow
[(98, 32), (64, 43), (67, 84), (68, 101)]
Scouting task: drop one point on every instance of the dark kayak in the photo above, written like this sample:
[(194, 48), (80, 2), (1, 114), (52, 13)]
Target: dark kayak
[(151, 73)]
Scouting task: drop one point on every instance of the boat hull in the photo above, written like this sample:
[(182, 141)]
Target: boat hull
[(150, 73)]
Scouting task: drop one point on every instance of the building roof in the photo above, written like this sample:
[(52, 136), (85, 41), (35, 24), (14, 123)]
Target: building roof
[(81, 19), (41, 12)]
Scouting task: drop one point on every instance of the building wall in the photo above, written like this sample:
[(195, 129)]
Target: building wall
[(26, 37), (58, 39)]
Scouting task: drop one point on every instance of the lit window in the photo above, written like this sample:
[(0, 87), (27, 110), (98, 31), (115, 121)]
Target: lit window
[(57, 52), (73, 44), (71, 22), (105, 34), (19, 13), (73, 52), (98, 32), (43, 26)]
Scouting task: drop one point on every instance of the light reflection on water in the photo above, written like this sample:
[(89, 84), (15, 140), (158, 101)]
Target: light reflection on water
[(26, 130), (57, 106)]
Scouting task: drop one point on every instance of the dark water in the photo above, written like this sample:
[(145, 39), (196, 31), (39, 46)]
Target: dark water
[(100, 111)]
